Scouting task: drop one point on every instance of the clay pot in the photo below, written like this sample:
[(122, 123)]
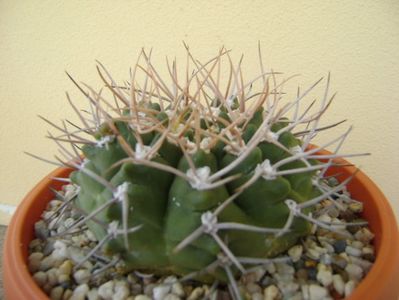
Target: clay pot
[(382, 282)]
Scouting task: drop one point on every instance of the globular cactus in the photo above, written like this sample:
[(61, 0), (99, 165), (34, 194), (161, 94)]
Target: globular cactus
[(195, 179)]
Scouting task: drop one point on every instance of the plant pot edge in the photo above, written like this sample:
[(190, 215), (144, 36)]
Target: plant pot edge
[(380, 282)]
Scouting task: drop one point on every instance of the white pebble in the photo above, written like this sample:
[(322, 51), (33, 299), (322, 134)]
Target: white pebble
[(121, 290), (81, 276), (160, 291), (106, 290), (355, 272), (295, 252), (60, 250), (257, 296), (177, 289), (324, 275), (317, 292), (353, 251), (171, 297), (349, 287), (142, 297), (271, 268), (271, 292), (93, 294), (196, 293), (80, 292), (364, 264), (338, 284)]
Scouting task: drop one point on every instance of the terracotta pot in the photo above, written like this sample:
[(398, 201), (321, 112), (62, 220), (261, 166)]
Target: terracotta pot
[(382, 282)]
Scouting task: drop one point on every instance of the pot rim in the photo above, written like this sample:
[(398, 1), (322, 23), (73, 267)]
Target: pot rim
[(380, 282)]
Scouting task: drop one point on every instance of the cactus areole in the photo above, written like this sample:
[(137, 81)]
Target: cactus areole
[(197, 178)]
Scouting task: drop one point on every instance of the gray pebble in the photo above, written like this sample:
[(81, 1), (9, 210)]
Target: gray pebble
[(40, 278), (56, 293), (81, 276)]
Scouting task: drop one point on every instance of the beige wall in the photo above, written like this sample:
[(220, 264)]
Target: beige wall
[(358, 41)]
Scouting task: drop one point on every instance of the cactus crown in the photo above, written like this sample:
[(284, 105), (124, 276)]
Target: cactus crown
[(195, 179)]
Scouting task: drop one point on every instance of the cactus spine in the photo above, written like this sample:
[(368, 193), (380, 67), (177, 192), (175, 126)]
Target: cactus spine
[(197, 179)]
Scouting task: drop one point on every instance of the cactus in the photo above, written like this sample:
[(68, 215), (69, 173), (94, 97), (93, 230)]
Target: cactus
[(198, 179)]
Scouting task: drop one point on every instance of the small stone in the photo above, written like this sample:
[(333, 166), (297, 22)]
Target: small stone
[(177, 289), (47, 263), (339, 261), (161, 291), (369, 257), (326, 259), (288, 288), (302, 275), (62, 278), (65, 268), (90, 236), (355, 272), (295, 252), (171, 297), (48, 248), (76, 254), (81, 276), (364, 235), (353, 251), (257, 296), (67, 294), (324, 275), (271, 268), (253, 288), (142, 297), (52, 276), (56, 293), (356, 207), (339, 246), (313, 254), (41, 230), (310, 263), (93, 294), (364, 264), (283, 268), (317, 292), (80, 292), (196, 293), (60, 250), (106, 291), (349, 287), (137, 289), (328, 247), (149, 288), (40, 278), (339, 284), (312, 274), (271, 293), (121, 290), (305, 291), (35, 261)]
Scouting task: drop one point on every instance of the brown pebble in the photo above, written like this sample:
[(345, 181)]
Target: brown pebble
[(310, 263), (369, 257), (302, 274)]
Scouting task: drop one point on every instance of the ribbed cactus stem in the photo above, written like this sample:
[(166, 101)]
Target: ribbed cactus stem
[(207, 177)]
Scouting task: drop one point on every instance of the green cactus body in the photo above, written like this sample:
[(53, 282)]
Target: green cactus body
[(196, 180), (168, 208)]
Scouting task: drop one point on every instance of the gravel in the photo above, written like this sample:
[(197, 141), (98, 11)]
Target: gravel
[(326, 265)]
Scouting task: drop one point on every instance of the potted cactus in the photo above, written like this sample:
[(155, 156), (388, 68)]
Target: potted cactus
[(202, 181)]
